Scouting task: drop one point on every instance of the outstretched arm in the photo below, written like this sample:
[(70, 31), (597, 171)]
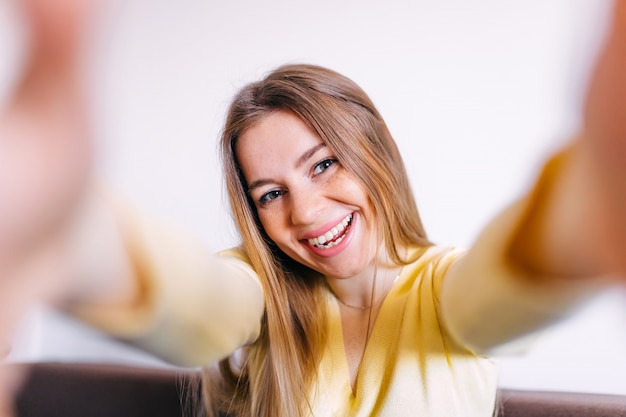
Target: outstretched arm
[(45, 150), (45, 155), (579, 226), (174, 298), (567, 238), (62, 238)]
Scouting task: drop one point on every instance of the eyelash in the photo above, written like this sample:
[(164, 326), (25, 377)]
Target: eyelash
[(328, 161), (266, 198), (272, 195)]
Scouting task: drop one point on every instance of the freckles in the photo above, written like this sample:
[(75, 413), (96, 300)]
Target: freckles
[(273, 222), (347, 185), (265, 222)]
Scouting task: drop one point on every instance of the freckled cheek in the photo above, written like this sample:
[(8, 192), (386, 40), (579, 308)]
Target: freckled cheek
[(347, 187), (352, 192), (275, 226)]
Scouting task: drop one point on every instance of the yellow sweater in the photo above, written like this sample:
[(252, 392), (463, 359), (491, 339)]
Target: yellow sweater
[(198, 310), (411, 366)]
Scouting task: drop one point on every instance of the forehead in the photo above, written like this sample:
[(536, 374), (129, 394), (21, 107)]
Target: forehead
[(274, 143)]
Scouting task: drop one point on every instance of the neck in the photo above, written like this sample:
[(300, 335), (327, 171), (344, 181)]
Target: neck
[(365, 289)]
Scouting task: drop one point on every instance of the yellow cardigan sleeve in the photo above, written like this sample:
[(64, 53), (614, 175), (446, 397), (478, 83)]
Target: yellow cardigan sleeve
[(193, 307), (491, 304)]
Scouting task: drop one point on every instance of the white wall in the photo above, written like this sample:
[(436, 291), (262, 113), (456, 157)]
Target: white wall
[(476, 93)]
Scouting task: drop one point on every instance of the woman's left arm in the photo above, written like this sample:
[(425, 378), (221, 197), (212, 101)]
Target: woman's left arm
[(563, 242)]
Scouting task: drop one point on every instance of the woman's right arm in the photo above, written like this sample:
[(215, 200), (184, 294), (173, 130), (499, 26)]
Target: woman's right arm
[(60, 238), (159, 288)]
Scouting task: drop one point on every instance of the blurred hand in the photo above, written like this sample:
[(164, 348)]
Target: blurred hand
[(45, 150), (605, 137), (45, 161)]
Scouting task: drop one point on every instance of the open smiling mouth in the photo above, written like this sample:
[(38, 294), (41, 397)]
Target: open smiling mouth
[(334, 236)]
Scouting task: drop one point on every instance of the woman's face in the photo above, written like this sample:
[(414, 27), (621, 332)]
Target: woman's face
[(308, 204)]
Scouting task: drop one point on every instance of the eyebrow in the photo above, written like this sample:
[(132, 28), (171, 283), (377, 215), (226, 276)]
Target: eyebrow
[(301, 160), (309, 154)]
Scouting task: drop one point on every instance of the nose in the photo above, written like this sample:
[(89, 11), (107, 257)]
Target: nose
[(305, 206)]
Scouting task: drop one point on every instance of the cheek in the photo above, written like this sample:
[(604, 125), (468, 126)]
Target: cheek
[(351, 190), (355, 194), (272, 224)]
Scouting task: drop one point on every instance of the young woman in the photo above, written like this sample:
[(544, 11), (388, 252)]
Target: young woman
[(336, 303), (363, 315)]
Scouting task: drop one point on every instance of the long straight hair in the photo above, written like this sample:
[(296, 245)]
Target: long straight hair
[(275, 375)]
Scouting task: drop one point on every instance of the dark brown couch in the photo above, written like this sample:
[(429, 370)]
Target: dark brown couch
[(98, 390)]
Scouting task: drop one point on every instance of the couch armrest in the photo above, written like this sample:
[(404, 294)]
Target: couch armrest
[(104, 390), (519, 403), (60, 389)]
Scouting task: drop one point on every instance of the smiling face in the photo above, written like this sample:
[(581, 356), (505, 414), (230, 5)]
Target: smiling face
[(307, 202)]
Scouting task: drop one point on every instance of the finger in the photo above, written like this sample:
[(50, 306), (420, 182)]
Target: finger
[(605, 132), (605, 113), (56, 25)]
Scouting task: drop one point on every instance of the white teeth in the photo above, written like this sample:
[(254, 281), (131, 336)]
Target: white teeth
[(331, 234)]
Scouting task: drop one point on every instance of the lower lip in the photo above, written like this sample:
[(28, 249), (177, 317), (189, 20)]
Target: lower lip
[(335, 250)]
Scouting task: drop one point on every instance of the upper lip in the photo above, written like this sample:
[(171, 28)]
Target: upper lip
[(324, 228)]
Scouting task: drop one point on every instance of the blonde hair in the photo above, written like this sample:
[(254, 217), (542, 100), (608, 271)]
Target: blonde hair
[(275, 374)]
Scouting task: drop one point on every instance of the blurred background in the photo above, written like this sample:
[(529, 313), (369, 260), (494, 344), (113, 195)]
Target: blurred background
[(477, 93)]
